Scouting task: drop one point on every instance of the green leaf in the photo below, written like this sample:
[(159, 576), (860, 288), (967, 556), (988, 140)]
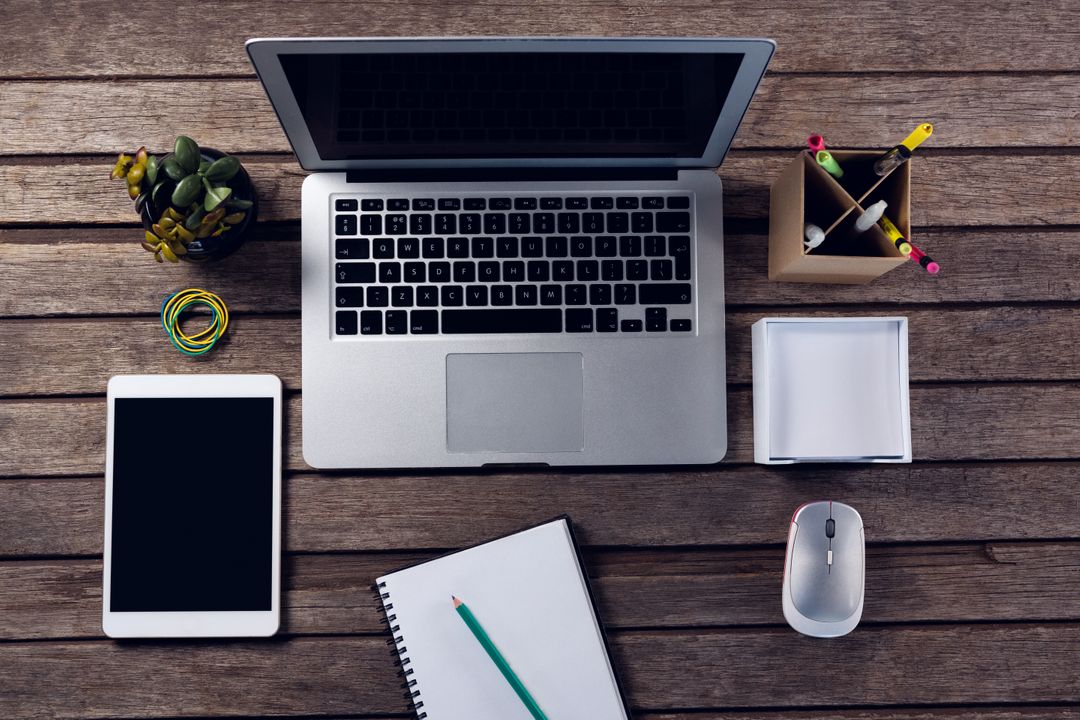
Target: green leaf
[(151, 169), (161, 193), (238, 203), (216, 196), (203, 166), (187, 153), (186, 192), (173, 169), (222, 169), (193, 219)]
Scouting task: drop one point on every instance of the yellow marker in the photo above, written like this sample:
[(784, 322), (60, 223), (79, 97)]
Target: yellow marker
[(894, 234), (918, 136)]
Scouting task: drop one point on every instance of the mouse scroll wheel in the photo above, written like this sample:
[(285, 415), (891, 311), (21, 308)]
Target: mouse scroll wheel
[(830, 528)]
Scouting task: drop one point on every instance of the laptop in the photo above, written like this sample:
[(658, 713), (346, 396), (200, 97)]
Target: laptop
[(512, 247)]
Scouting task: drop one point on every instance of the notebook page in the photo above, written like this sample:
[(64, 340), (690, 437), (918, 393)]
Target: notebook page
[(834, 389), (528, 593)]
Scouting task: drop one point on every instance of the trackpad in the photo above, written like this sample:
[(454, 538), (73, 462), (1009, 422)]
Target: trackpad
[(514, 402)]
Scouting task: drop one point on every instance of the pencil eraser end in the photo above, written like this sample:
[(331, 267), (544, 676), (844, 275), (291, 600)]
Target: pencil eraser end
[(933, 268)]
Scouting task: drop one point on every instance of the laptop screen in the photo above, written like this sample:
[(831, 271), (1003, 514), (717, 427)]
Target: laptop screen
[(371, 106)]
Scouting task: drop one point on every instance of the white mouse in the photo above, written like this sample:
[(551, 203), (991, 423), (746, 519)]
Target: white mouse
[(824, 570)]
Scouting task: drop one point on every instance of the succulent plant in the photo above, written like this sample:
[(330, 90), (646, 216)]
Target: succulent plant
[(190, 193)]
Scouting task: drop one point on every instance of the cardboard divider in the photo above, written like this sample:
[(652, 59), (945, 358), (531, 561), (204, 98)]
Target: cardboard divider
[(806, 193)]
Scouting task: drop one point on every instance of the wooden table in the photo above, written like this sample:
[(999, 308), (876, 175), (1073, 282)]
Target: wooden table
[(973, 581)]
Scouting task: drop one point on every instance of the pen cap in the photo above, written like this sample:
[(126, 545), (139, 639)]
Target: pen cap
[(815, 142), (871, 216), (918, 136)]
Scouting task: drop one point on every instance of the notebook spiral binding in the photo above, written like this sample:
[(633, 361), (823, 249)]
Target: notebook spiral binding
[(396, 643)]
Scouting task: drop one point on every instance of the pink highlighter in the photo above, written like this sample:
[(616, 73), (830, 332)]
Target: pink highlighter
[(925, 260), (815, 142)]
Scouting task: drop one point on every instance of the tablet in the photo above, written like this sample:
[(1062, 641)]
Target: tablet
[(192, 506)]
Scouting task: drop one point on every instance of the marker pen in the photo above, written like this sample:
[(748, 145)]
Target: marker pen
[(827, 161), (815, 142)]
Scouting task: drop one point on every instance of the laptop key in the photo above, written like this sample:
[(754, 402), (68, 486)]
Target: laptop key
[(655, 246), (660, 269), (607, 320), (489, 271), (625, 294), (378, 296), (517, 320), (424, 204), (401, 296), (551, 203), (382, 248), (355, 272), (611, 270), (469, 223), (494, 223), (415, 272), (369, 225), (524, 203), (581, 246), (556, 246), (626, 203), (513, 271), (673, 222), (592, 222), (602, 203), (370, 322), (476, 295), (389, 272), (475, 204), (445, 224), (631, 326), (525, 294), (579, 320), (371, 205), (433, 247), (652, 203), (679, 247), (396, 225), (420, 224), (575, 295), (588, 270), (449, 204), (349, 296), (630, 246), (345, 322), (599, 294), (457, 247), (678, 202), (665, 294), (499, 203), (397, 204), (641, 222), (345, 224), (543, 223), (424, 322), (532, 247), (506, 247), (618, 222), (352, 249), (519, 224), (427, 296), (465, 272), (439, 272), (637, 270), (656, 319), (502, 295), (680, 325), (569, 222), (551, 295), (397, 322), (452, 295), (577, 203), (408, 248), (562, 270), (538, 270), (605, 246)]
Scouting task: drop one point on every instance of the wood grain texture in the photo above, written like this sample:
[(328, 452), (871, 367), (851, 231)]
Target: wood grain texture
[(642, 508), (951, 422), (78, 356), (327, 594), (92, 117), (952, 190), (943, 36), (40, 274), (876, 666), (320, 676)]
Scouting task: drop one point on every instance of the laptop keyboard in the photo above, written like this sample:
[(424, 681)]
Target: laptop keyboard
[(615, 264)]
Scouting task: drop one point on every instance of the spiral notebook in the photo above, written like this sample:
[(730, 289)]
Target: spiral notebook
[(531, 595)]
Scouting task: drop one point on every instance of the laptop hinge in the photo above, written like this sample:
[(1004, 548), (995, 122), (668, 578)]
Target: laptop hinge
[(552, 174)]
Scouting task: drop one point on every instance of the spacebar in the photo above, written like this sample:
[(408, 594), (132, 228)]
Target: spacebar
[(502, 321)]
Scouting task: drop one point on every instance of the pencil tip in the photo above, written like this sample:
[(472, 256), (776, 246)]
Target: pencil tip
[(457, 603)]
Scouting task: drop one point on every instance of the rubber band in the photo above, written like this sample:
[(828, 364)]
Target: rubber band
[(201, 342)]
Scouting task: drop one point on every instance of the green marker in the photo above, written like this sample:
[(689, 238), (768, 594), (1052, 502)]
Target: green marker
[(498, 659), (827, 161)]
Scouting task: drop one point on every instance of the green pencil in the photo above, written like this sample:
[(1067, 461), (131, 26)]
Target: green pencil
[(498, 659)]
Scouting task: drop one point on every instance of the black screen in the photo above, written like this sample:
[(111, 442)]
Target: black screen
[(510, 105), (192, 504)]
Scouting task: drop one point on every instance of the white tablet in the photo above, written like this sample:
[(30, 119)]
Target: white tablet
[(193, 506)]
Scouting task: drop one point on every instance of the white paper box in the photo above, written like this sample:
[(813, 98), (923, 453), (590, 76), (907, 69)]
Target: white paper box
[(831, 390)]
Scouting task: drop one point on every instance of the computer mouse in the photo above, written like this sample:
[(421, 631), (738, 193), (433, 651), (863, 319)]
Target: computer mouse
[(824, 569)]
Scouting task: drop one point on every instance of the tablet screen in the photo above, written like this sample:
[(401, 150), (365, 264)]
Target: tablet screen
[(192, 504)]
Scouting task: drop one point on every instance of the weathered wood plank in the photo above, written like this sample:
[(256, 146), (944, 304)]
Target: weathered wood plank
[(661, 508), (64, 357), (325, 594), (43, 273), (961, 422), (942, 36), (969, 190), (309, 676), (72, 117), (950, 664)]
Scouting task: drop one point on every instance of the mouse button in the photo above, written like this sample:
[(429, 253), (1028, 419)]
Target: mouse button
[(846, 515), (808, 573), (830, 528), (812, 514)]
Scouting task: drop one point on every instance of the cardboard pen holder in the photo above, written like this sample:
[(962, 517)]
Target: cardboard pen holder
[(806, 193)]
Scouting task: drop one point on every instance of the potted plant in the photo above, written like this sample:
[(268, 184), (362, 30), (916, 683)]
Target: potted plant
[(196, 203)]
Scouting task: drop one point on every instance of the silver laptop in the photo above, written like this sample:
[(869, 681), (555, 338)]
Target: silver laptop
[(512, 247)]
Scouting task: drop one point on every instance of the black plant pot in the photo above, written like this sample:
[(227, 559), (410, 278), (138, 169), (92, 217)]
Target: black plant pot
[(214, 248)]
